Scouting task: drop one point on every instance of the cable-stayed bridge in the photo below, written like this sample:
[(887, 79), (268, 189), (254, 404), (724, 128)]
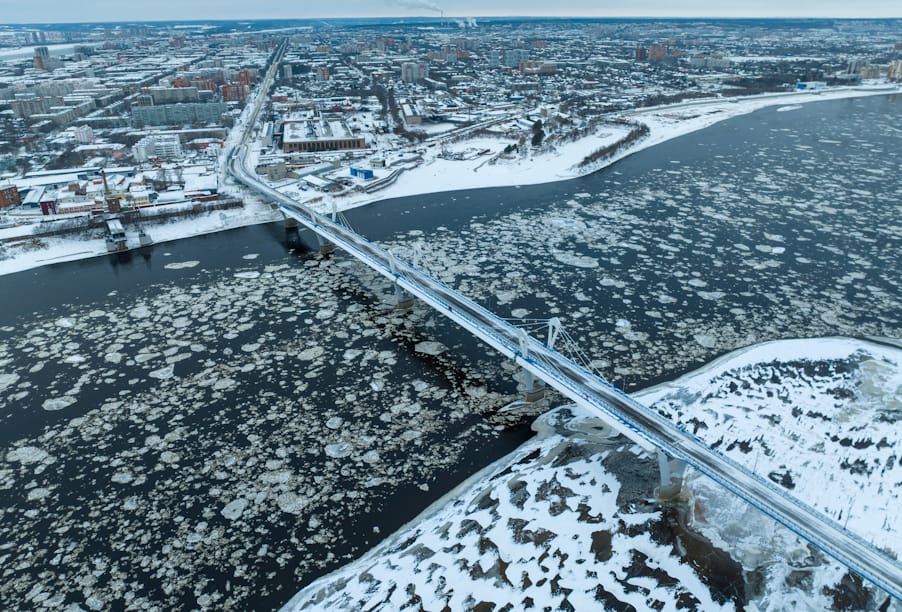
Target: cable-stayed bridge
[(541, 361)]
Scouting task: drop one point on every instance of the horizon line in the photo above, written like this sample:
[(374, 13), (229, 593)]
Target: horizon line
[(446, 17)]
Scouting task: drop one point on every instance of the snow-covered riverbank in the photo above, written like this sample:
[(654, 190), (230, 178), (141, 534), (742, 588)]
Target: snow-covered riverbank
[(40, 251), (564, 520), (437, 174), (563, 162)]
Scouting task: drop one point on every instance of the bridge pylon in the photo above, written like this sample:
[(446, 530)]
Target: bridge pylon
[(325, 247)]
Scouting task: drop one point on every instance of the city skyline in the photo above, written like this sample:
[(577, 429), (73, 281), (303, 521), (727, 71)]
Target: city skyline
[(165, 10)]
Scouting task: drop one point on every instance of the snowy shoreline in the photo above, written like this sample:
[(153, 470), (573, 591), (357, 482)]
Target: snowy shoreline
[(665, 123), (440, 175), (77, 247), (412, 555)]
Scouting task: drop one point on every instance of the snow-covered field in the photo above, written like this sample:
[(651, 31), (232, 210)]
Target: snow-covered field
[(813, 416), (563, 524), (438, 174)]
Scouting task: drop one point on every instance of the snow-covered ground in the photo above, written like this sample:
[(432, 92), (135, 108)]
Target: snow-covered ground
[(562, 163), (18, 256), (812, 415), (437, 174), (560, 521)]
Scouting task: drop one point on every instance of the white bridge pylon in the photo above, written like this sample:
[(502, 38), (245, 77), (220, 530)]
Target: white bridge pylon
[(533, 388)]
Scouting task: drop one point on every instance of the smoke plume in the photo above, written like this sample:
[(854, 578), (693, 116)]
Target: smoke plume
[(418, 4)]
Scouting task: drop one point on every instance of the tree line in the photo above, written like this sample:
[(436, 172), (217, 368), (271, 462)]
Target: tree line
[(637, 132)]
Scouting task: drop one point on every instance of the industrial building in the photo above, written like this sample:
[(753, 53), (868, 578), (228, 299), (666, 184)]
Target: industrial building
[(316, 134)]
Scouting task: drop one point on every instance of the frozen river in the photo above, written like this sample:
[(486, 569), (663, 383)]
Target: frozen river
[(222, 419)]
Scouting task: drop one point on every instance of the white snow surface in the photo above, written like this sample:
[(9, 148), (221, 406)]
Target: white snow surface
[(545, 525), (815, 428), (16, 257), (562, 163)]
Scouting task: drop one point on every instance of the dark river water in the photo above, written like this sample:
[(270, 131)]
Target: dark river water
[(219, 420)]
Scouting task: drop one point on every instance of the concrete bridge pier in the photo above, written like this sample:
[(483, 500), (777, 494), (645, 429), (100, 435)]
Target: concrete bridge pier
[(403, 300), (671, 471), (325, 247), (292, 232), (533, 390)]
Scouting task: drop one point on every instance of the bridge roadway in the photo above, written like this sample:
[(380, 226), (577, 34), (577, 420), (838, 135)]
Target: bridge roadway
[(644, 426)]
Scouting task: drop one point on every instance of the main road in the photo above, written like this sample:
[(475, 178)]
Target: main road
[(639, 423)]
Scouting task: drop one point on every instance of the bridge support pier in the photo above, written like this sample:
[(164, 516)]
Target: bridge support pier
[(403, 300), (291, 223), (533, 390), (325, 247), (671, 471)]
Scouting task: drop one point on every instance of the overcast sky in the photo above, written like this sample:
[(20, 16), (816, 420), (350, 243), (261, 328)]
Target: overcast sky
[(44, 11)]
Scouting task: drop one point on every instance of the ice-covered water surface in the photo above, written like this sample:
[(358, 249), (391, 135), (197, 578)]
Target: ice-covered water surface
[(226, 437), (566, 521), (221, 440), (772, 225)]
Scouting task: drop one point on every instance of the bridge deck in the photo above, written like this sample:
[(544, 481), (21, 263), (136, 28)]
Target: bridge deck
[(641, 424)]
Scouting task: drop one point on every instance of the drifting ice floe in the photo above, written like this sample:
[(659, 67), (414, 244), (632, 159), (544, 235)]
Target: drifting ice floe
[(182, 265)]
